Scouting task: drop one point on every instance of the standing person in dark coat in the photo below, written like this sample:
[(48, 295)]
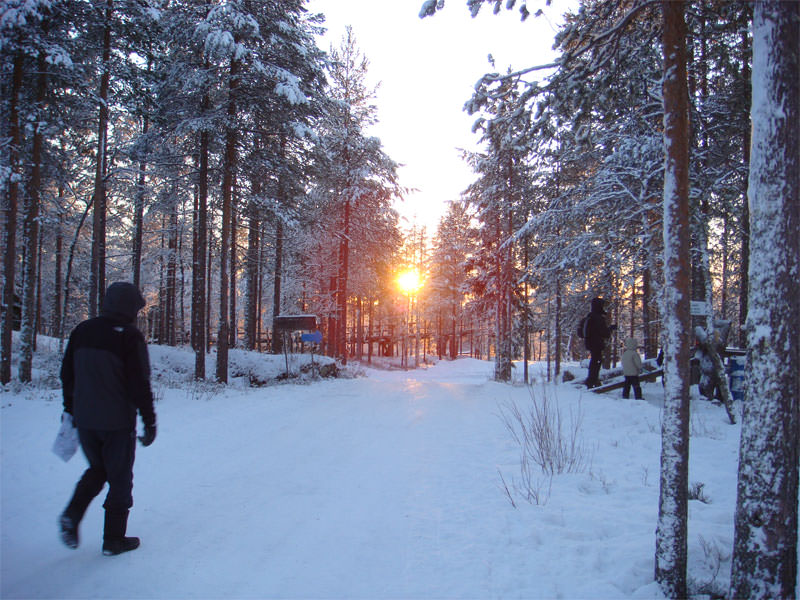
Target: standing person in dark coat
[(105, 376), (597, 332)]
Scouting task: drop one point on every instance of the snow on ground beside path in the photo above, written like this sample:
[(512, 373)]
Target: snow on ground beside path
[(383, 486)]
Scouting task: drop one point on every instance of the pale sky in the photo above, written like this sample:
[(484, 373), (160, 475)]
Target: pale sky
[(427, 69)]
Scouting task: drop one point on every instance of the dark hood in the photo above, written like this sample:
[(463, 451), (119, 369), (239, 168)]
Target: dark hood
[(122, 301), (598, 306)]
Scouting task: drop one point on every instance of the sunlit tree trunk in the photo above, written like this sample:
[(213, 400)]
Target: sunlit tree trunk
[(671, 533), (341, 291)]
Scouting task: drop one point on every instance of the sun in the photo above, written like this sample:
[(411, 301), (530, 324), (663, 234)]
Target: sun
[(409, 281)]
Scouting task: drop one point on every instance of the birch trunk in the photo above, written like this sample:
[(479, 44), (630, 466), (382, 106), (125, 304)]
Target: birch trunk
[(764, 563)]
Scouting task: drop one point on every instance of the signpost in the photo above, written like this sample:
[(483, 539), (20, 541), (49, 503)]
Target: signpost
[(286, 324), (313, 338), (698, 308)]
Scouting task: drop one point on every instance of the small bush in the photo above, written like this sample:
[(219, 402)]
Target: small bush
[(547, 440), (697, 492)]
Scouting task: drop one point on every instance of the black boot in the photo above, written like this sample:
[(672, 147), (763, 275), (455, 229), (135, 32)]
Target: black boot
[(114, 540), (88, 487), (69, 529)]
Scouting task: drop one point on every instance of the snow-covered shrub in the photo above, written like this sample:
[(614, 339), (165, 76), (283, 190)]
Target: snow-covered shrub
[(549, 444), (546, 438)]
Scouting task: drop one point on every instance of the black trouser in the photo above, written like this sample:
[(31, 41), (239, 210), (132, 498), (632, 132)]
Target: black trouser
[(110, 455), (632, 380), (594, 367)]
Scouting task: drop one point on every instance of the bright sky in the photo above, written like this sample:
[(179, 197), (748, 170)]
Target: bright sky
[(426, 69)]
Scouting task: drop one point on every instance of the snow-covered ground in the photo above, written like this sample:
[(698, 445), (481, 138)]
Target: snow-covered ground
[(385, 485)]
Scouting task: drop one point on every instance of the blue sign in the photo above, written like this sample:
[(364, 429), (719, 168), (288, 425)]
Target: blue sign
[(314, 338)]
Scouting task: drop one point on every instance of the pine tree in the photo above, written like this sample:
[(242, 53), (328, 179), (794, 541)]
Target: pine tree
[(497, 195), (452, 246), (356, 178), (671, 533)]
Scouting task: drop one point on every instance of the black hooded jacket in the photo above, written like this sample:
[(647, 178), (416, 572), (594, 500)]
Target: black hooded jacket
[(105, 373), (597, 330)]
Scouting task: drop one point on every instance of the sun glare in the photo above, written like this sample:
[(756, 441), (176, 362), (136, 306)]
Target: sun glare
[(409, 281)]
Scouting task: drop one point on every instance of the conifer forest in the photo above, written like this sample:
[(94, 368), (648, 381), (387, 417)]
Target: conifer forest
[(217, 156)]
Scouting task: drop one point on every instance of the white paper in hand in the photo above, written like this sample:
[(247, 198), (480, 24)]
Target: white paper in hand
[(66, 443)]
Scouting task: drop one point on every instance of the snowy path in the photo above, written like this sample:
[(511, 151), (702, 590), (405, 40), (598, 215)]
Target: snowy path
[(378, 487)]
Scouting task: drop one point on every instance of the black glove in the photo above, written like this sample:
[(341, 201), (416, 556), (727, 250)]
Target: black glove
[(149, 435)]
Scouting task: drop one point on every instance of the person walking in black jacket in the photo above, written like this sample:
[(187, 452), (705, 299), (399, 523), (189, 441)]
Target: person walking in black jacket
[(105, 376), (597, 332)]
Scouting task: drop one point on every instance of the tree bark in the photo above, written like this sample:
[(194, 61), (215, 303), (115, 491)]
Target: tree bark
[(744, 267), (28, 331), (341, 288), (277, 341), (225, 237), (10, 222), (138, 215), (98, 260), (233, 328), (199, 298), (58, 283), (172, 268), (252, 267), (671, 532), (764, 562)]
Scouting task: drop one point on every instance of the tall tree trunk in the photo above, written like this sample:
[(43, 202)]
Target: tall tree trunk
[(454, 345), (671, 533), (650, 345), (172, 269), (252, 267), (199, 298), (28, 331), (341, 291), (58, 284), (161, 326), (138, 214), (68, 274), (526, 313), (98, 261), (234, 324), (502, 358), (744, 267), (557, 366), (699, 207), (10, 222), (764, 563), (225, 237), (277, 341), (209, 286)]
